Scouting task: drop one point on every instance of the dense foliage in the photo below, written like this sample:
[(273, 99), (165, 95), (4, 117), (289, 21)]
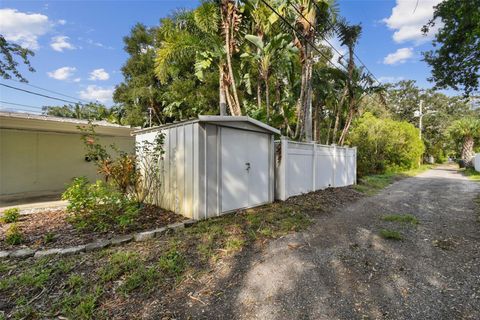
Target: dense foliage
[(129, 178), (385, 145), (99, 206), (455, 60)]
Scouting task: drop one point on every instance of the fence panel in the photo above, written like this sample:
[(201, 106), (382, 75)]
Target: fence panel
[(306, 167), (477, 162)]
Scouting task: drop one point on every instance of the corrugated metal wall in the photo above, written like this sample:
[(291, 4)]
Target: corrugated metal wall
[(178, 169), (306, 167)]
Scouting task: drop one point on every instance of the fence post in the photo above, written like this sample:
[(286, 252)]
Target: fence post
[(283, 168), (314, 166), (334, 164), (355, 165)]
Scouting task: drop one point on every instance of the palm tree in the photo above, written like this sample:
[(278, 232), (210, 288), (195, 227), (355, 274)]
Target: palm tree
[(349, 35), (195, 36), (311, 21), (466, 130), (266, 56)]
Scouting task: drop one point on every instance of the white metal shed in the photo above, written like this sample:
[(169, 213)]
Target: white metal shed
[(214, 165)]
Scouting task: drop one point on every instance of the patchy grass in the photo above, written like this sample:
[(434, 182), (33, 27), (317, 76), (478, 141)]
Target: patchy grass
[(372, 184), (471, 174), (13, 236), (391, 234), (402, 218), (98, 285)]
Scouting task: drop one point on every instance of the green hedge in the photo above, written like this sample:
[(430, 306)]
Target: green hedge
[(385, 145)]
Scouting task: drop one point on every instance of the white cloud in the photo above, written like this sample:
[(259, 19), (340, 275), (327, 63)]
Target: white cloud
[(61, 43), (407, 19), (399, 56), (99, 74), (62, 73), (23, 28), (389, 79), (62, 22), (76, 80), (97, 93)]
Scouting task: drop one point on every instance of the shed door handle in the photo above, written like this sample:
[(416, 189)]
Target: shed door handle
[(248, 165)]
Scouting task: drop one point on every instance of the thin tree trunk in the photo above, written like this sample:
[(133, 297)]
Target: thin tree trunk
[(233, 85), (308, 104), (328, 132), (259, 93), (221, 93), (300, 104), (267, 97), (351, 113)]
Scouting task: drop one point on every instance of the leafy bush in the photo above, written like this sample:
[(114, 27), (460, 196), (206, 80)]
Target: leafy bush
[(11, 215), (385, 145), (13, 235), (99, 206)]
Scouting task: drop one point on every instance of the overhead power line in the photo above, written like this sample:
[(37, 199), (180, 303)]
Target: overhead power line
[(51, 91), (358, 58), (21, 105), (299, 33), (39, 94)]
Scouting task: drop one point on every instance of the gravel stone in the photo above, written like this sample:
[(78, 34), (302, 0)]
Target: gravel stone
[(142, 236), (44, 253), (175, 226), (72, 250), (99, 244), (121, 240), (22, 253)]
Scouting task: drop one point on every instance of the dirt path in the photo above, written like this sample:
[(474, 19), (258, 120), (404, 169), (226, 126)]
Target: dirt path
[(341, 269)]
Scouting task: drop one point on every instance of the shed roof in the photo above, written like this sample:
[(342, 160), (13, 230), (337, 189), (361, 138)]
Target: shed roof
[(214, 120)]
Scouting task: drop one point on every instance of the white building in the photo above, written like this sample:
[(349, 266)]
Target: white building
[(40, 154)]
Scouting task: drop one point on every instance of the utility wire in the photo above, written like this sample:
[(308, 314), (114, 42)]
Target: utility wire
[(298, 33), (20, 105), (39, 94), (51, 91), (358, 58), (308, 41)]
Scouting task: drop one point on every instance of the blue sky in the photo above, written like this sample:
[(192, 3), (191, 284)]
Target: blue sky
[(79, 50)]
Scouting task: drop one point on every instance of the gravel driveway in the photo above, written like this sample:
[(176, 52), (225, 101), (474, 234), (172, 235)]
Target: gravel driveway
[(341, 269)]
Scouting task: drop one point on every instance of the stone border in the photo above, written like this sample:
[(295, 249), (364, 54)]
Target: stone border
[(97, 244)]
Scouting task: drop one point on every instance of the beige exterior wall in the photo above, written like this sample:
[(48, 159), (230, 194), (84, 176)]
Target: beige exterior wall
[(34, 163)]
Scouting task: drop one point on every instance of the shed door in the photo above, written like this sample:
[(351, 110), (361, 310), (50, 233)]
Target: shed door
[(244, 169)]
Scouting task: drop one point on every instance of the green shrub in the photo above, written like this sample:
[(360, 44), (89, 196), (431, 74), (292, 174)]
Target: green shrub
[(385, 145), (11, 215), (13, 235), (99, 206)]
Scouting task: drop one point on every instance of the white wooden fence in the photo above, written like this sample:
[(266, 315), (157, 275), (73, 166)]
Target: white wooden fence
[(306, 167), (476, 162)]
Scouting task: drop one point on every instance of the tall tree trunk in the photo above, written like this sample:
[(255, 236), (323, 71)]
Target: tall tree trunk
[(467, 150), (351, 113), (228, 25), (352, 102), (308, 103), (328, 132), (221, 93), (267, 96), (259, 92), (299, 107)]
